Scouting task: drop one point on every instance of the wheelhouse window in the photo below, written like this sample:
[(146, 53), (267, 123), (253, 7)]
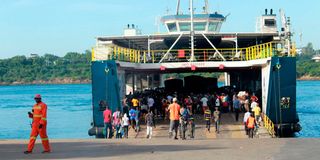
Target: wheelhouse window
[(269, 22), (172, 27), (200, 26), (213, 26), (185, 26)]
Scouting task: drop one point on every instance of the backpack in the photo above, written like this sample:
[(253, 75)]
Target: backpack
[(185, 114)]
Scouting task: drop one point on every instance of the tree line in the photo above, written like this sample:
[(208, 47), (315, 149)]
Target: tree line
[(73, 65), (305, 65), (76, 66)]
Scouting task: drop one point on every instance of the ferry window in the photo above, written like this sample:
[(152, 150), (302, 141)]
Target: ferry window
[(213, 26), (200, 26), (172, 27), (185, 26), (269, 22)]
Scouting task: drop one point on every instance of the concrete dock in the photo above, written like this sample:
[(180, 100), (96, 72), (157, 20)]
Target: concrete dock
[(167, 149), (231, 143)]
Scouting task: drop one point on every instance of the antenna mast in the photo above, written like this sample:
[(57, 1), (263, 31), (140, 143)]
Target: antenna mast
[(206, 7), (192, 58), (178, 7)]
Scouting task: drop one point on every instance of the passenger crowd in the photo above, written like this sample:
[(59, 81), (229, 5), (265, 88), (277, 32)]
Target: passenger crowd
[(181, 110)]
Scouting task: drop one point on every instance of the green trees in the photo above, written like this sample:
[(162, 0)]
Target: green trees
[(305, 65), (75, 66)]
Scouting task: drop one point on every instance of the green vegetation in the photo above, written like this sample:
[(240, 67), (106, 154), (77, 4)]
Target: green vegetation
[(76, 66), (305, 65), (22, 69)]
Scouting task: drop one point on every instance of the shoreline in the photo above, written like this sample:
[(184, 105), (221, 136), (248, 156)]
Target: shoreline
[(51, 82), (89, 82)]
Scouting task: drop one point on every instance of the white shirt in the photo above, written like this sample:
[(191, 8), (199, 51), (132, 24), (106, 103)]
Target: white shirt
[(253, 104), (246, 116), (125, 121), (204, 101), (217, 102), (150, 102)]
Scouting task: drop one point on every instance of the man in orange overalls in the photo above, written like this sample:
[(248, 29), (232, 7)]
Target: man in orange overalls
[(39, 125)]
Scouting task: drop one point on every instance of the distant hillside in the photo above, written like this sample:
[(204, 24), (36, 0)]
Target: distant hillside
[(307, 69), (75, 68), (72, 68)]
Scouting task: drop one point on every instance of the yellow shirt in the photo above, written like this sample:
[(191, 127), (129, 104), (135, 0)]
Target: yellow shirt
[(135, 102), (256, 111)]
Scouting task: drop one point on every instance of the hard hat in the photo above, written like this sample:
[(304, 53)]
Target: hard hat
[(37, 96)]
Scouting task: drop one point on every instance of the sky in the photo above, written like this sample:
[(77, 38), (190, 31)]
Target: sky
[(61, 26)]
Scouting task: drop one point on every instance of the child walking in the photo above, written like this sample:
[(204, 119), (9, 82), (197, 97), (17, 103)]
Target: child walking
[(216, 116), (149, 121), (207, 118)]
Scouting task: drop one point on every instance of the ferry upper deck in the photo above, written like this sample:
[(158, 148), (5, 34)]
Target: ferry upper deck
[(172, 52)]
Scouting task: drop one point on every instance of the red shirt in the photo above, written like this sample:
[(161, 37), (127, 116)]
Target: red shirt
[(107, 116)]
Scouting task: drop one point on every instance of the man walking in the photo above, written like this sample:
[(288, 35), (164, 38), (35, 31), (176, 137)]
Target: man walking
[(216, 116), (236, 107), (174, 110), (107, 122), (39, 125)]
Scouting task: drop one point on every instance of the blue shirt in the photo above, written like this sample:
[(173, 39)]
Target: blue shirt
[(132, 114), (236, 104)]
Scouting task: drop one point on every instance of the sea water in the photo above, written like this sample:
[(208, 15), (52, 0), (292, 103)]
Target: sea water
[(70, 114), (69, 110)]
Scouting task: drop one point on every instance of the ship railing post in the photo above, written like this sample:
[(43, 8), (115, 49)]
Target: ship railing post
[(114, 53), (130, 55), (139, 57), (136, 56), (92, 54), (125, 54), (247, 53), (253, 53), (152, 56), (119, 54)]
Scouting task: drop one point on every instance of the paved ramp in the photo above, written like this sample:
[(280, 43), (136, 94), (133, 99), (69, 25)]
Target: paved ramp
[(229, 128)]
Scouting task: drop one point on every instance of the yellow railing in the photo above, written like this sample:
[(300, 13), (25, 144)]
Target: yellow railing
[(260, 51), (269, 125), (183, 55)]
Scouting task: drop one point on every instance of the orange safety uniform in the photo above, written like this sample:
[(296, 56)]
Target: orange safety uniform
[(39, 117), (250, 122)]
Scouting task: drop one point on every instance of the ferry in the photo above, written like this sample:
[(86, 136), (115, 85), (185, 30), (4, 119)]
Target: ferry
[(262, 61)]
